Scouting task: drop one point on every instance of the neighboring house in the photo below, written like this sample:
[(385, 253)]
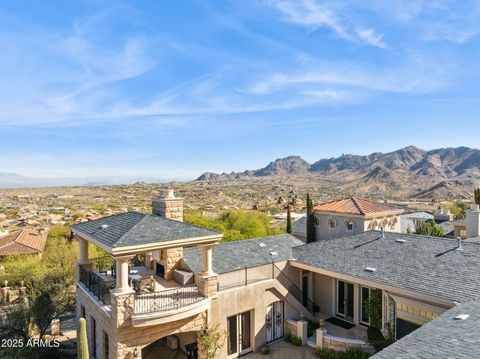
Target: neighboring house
[(258, 289), (23, 241), (409, 220), (470, 226), (354, 215)]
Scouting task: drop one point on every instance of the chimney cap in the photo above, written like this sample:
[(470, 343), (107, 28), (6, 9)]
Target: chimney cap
[(167, 194)]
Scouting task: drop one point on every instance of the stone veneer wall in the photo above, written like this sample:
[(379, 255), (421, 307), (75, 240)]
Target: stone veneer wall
[(168, 207), (126, 341), (171, 259), (338, 345)]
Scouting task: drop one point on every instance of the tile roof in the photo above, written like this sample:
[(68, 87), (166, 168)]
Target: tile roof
[(422, 264), (442, 337), (231, 256), (23, 241), (356, 205), (135, 228)]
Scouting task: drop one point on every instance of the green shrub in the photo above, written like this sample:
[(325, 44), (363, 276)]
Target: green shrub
[(312, 326), (377, 340), (290, 338), (349, 354)]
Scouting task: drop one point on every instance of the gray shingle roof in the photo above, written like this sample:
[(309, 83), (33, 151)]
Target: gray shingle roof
[(135, 228), (443, 337), (300, 226), (422, 264), (407, 220), (236, 255)]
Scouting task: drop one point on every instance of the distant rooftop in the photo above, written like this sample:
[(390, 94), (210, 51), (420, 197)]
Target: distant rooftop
[(135, 228), (231, 256), (23, 241), (422, 264), (442, 337), (356, 205)]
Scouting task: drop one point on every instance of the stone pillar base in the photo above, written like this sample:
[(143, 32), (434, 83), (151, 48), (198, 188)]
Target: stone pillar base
[(207, 285)]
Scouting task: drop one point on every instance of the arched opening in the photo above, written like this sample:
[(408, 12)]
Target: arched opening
[(177, 346)]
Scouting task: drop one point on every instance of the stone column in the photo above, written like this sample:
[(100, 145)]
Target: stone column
[(207, 257), (83, 251), (302, 331), (319, 334), (122, 275), (170, 259)]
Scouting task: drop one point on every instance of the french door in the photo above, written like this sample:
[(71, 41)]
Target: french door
[(345, 300), (274, 321), (239, 335)]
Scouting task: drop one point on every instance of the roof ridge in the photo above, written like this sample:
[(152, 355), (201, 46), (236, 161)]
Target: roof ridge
[(359, 206), (144, 215)]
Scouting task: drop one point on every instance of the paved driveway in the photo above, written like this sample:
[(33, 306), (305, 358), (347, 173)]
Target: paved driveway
[(284, 350)]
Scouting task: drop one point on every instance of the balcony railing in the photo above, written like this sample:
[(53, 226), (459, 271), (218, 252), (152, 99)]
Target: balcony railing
[(165, 300), (96, 285), (249, 275), (245, 276)]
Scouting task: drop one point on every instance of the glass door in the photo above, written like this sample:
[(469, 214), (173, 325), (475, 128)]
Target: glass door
[(246, 335), (239, 335), (345, 300), (365, 294)]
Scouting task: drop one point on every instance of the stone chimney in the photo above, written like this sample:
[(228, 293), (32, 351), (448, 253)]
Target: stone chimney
[(473, 221), (168, 206)]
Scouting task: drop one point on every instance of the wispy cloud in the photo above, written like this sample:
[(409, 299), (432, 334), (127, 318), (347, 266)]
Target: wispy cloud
[(309, 13), (371, 38)]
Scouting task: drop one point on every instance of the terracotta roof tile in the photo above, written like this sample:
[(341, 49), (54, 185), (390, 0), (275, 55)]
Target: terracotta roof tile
[(22, 241), (356, 205)]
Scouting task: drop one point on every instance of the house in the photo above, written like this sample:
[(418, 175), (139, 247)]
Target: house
[(259, 289), (470, 226), (23, 241), (354, 215), (133, 310)]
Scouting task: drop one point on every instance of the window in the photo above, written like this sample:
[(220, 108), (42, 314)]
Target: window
[(349, 225), (392, 223), (373, 225), (332, 223), (106, 350), (94, 337), (82, 312)]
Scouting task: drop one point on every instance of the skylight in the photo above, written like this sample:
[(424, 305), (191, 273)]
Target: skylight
[(399, 240), (461, 316), (274, 253), (262, 244), (370, 269)]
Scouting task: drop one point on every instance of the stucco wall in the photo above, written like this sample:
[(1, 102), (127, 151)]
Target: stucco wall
[(360, 224), (324, 293)]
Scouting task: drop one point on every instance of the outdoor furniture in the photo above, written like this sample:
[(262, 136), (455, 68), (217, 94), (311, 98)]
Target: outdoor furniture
[(136, 281), (183, 277)]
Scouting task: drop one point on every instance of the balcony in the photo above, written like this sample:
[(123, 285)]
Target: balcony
[(155, 299)]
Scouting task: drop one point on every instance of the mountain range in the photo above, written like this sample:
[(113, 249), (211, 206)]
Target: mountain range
[(410, 172)]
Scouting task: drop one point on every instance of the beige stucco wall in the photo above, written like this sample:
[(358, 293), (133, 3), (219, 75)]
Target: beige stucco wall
[(324, 293), (254, 298), (360, 224)]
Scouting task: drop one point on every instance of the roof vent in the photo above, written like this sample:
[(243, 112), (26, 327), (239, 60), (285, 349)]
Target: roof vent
[(400, 240), (461, 316), (273, 253), (370, 269), (459, 245), (103, 226), (262, 245)]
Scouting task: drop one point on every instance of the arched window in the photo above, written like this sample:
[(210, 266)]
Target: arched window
[(349, 225), (332, 223), (393, 222), (373, 225), (384, 223)]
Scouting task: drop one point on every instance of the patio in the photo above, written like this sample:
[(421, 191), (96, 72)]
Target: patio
[(283, 350)]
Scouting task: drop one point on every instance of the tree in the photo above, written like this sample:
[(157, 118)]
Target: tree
[(311, 232), (82, 346), (429, 228), (289, 220), (210, 341), (477, 195)]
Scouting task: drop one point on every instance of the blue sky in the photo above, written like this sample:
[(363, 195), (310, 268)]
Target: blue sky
[(176, 88)]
